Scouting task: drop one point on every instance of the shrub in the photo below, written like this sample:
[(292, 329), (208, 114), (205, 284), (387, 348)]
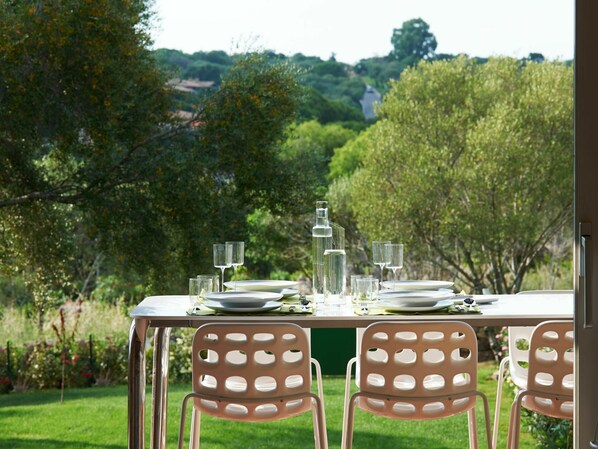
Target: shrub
[(111, 361), (180, 356), (5, 380)]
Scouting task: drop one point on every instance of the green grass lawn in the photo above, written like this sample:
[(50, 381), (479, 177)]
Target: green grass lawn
[(96, 418)]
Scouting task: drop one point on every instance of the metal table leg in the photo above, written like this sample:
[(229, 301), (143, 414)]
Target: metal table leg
[(136, 424), (160, 387)]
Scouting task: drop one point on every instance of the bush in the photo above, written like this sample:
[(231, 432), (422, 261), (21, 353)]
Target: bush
[(39, 366), (5, 382), (180, 356), (549, 433), (110, 361)]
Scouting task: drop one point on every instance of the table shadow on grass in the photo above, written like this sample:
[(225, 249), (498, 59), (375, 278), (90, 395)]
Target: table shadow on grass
[(46, 443), (53, 396)]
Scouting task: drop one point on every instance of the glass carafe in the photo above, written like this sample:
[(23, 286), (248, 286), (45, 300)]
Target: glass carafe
[(321, 241)]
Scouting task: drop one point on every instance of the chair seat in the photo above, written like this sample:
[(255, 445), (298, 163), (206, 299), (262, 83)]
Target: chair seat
[(549, 407)]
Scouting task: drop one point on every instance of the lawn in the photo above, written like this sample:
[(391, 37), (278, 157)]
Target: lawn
[(96, 418)]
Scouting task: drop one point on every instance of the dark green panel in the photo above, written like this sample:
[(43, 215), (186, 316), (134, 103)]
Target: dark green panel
[(333, 348)]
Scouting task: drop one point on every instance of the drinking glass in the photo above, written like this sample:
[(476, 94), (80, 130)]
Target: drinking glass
[(367, 291), (235, 252), (207, 284), (379, 256), (221, 260), (193, 291), (354, 277), (394, 253)]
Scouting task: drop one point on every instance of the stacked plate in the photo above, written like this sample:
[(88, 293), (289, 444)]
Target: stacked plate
[(416, 295), (286, 288), (239, 301)]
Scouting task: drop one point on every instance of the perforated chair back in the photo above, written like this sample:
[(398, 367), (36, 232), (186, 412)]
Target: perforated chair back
[(518, 358), (519, 340), (550, 381), (423, 364), (237, 364), (416, 371), (253, 372)]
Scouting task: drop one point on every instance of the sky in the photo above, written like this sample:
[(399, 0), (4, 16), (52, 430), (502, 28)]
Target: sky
[(352, 30)]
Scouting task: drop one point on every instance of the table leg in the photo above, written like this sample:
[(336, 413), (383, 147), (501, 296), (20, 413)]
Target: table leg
[(136, 423), (160, 387)]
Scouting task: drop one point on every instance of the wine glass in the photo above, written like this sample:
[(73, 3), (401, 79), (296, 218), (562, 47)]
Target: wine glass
[(221, 260), (379, 256), (394, 254), (235, 252)]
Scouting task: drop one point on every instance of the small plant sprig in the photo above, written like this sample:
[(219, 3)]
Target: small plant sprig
[(66, 340)]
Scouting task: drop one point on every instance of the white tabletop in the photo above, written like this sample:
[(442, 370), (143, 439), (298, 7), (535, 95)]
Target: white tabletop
[(509, 310)]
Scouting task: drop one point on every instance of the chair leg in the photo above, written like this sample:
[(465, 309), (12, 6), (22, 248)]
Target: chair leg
[(348, 423), (315, 418), (514, 421), (487, 421), (346, 403), (320, 385), (320, 435), (195, 428), (501, 378), (473, 430)]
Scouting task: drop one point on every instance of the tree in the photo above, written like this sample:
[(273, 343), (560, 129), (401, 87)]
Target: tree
[(471, 166), (91, 152), (413, 42), (283, 241)]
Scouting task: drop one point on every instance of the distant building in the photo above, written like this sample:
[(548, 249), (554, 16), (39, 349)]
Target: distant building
[(189, 85), (371, 97)]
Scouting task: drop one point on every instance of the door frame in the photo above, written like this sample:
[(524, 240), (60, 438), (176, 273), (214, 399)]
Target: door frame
[(586, 212)]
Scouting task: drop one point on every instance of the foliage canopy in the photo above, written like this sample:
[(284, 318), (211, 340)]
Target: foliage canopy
[(472, 166), (93, 161)]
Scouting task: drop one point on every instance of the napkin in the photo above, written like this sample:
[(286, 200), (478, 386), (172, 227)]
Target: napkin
[(450, 310), (285, 309)]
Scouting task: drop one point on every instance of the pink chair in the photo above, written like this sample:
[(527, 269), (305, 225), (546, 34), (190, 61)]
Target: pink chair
[(253, 372), (550, 381), (415, 371), (518, 359)]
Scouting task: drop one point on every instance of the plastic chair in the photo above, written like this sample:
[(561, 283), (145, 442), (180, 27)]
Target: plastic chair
[(550, 381), (253, 372), (415, 371), (518, 359)]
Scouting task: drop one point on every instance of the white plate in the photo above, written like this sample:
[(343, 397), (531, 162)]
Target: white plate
[(261, 286), (238, 298), (417, 285), (485, 299), (288, 292), (421, 298), (406, 308), (224, 308)]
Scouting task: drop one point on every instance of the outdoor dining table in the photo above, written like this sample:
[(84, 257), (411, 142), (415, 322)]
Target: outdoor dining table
[(170, 311)]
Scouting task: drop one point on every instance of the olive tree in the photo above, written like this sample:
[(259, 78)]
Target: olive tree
[(471, 166), (93, 160)]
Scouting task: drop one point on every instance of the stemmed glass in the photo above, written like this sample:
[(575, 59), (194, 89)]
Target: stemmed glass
[(235, 256), (394, 254), (379, 256), (221, 260)]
